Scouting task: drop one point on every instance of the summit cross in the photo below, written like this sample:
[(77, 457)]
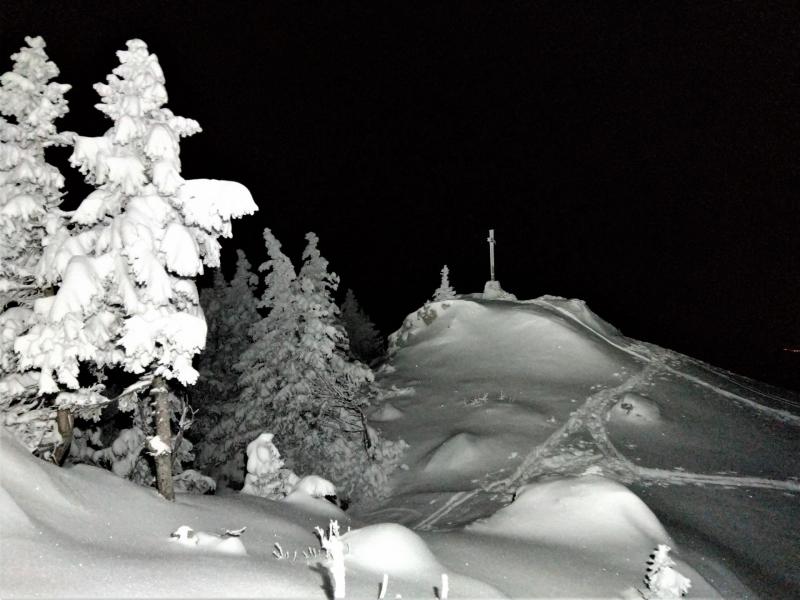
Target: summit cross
[(492, 242)]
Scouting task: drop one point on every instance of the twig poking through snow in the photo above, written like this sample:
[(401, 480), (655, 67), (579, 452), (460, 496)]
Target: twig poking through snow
[(334, 548), (384, 585), (443, 593), (278, 552)]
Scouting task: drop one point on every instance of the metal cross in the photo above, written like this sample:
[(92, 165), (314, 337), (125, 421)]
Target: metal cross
[(492, 242)]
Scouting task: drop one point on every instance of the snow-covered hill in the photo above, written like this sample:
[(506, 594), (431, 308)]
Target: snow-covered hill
[(494, 394), (549, 456)]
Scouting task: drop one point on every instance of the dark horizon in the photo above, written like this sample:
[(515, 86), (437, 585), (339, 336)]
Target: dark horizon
[(643, 159)]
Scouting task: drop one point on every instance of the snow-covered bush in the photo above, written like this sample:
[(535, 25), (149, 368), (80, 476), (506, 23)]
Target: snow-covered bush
[(30, 193), (366, 343), (445, 291), (358, 472), (191, 481), (126, 451), (124, 456), (661, 580), (266, 476)]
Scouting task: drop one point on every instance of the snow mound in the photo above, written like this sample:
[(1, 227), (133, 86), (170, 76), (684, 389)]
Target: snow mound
[(28, 484), (313, 500), (635, 408), (587, 513), (459, 453), (392, 549), (13, 520), (386, 413)]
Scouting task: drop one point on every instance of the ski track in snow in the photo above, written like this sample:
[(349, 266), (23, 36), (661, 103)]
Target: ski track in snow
[(557, 455), (647, 357)]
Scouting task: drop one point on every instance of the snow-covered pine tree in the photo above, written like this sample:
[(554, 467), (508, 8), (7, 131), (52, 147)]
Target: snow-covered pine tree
[(230, 310), (268, 371), (329, 406), (366, 343), (445, 291), (30, 193), (128, 261), (298, 382)]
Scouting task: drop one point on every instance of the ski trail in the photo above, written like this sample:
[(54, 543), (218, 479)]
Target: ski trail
[(454, 502), (553, 454), (593, 409), (725, 375), (682, 477), (532, 464), (777, 413)]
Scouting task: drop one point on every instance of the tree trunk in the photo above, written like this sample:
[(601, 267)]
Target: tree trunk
[(65, 423), (64, 419), (163, 431)]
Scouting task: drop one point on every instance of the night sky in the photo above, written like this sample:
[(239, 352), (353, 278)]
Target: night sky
[(643, 159)]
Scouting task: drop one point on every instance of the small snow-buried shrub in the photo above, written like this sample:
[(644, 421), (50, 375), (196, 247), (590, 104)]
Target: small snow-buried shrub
[(478, 401), (358, 474), (193, 482), (266, 476), (662, 582)]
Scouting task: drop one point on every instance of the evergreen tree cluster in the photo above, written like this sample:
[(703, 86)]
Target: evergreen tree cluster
[(108, 287), (298, 380), (366, 342)]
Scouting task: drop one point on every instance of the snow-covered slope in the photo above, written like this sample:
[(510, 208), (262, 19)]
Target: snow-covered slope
[(493, 395), (549, 456)]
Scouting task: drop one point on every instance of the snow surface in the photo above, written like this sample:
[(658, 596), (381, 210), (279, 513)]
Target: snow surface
[(527, 476)]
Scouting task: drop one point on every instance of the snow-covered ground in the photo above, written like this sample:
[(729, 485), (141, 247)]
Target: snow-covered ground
[(549, 456)]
